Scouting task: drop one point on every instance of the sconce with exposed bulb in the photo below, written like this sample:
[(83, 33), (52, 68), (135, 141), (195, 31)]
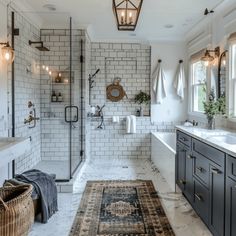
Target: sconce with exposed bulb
[(8, 53), (208, 58)]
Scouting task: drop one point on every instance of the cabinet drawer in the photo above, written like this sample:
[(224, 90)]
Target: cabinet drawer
[(201, 201), (201, 168), (184, 138), (231, 167), (212, 153)]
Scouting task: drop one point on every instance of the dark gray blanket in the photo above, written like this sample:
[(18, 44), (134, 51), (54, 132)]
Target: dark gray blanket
[(45, 187)]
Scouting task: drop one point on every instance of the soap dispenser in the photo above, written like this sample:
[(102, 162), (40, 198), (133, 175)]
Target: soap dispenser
[(60, 97)]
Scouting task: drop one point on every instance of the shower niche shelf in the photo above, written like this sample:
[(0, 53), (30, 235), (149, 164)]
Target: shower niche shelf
[(59, 84)]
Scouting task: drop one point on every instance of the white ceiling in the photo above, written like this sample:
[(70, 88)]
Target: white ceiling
[(98, 16)]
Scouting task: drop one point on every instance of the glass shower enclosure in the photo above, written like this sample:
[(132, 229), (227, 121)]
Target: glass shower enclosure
[(61, 111), (61, 70)]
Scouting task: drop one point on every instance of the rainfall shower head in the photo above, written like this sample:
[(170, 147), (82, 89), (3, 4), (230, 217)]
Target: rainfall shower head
[(41, 47)]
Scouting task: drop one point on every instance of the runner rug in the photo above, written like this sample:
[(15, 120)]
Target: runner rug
[(120, 208)]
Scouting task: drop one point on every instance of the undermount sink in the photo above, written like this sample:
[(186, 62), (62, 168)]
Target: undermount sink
[(228, 139)]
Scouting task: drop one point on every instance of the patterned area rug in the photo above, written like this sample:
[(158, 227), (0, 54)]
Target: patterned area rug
[(120, 208)]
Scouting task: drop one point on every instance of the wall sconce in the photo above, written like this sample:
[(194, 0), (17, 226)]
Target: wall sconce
[(207, 58), (127, 13), (8, 52)]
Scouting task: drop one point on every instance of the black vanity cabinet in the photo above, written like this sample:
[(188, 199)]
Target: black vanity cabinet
[(184, 165), (204, 180), (209, 176), (230, 206)]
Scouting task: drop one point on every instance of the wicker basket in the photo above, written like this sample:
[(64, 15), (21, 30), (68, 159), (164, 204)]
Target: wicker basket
[(16, 210)]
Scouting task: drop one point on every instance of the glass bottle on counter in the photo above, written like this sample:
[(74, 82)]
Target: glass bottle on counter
[(54, 96)]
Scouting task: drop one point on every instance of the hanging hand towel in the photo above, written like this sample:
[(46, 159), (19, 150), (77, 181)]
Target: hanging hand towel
[(128, 125), (133, 125), (159, 84), (115, 119), (179, 83)]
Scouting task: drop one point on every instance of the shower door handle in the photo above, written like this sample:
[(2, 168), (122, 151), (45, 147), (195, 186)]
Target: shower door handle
[(76, 116)]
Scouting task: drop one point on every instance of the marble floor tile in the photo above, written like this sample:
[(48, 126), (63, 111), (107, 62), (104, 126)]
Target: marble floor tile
[(183, 219)]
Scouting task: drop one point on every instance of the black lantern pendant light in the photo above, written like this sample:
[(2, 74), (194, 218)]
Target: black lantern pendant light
[(127, 13)]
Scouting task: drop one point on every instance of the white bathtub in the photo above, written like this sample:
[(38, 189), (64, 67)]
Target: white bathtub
[(163, 155)]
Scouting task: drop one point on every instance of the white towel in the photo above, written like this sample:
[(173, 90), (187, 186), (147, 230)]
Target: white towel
[(115, 119), (128, 125), (133, 125), (159, 84), (179, 82)]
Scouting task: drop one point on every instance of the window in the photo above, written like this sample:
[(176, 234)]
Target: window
[(232, 82), (198, 85)]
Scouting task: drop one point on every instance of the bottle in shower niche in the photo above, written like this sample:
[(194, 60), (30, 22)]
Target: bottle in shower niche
[(54, 96), (60, 97)]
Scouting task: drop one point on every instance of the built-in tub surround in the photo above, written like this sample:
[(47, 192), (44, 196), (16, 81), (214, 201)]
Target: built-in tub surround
[(221, 139), (163, 155)]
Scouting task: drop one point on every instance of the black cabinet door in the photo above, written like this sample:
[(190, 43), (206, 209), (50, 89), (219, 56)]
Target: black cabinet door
[(230, 219), (201, 200), (217, 191), (189, 184), (180, 166)]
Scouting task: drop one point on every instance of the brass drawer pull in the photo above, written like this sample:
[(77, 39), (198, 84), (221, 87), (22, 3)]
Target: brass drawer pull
[(198, 197), (216, 171), (190, 157), (200, 169), (181, 181), (184, 139)]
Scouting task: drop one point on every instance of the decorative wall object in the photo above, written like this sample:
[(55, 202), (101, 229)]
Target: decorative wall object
[(115, 92)]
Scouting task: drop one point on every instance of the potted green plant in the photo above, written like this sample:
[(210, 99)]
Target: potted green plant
[(142, 98), (213, 107)]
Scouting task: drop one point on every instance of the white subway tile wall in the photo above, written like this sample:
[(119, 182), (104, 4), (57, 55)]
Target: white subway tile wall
[(130, 62), (27, 88)]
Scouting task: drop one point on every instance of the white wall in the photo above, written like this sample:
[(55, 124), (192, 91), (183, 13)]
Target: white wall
[(171, 109), (3, 86), (211, 32)]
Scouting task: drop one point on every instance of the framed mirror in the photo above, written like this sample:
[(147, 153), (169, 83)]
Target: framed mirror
[(115, 92), (222, 73)]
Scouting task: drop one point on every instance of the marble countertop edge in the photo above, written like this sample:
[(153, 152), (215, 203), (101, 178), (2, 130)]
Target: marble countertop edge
[(205, 136)]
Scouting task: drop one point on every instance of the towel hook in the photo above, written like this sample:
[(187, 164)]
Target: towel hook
[(159, 61), (181, 61)]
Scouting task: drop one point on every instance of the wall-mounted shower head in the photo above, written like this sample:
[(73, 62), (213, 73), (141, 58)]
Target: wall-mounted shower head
[(41, 47), (91, 81), (96, 72)]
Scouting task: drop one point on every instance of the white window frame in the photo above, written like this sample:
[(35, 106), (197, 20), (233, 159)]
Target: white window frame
[(231, 88), (192, 87)]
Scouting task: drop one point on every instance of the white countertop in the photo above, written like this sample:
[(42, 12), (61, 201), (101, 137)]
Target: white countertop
[(208, 136), (12, 148)]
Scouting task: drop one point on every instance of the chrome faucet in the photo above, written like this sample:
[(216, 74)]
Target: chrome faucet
[(194, 123)]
